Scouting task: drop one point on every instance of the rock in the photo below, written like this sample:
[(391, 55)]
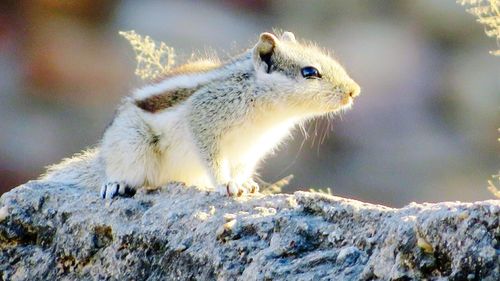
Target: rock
[(49, 231)]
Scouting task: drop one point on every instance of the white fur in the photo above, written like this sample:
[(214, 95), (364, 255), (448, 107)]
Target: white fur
[(181, 81), (181, 160)]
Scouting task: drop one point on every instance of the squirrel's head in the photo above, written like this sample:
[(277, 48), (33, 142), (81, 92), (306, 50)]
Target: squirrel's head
[(301, 75)]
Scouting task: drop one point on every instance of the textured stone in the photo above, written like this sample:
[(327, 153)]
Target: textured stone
[(49, 231)]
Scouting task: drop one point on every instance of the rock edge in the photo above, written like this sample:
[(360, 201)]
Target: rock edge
[(54, 232)]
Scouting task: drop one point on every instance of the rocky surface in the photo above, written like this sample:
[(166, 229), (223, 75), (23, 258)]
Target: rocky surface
[(50, 232)]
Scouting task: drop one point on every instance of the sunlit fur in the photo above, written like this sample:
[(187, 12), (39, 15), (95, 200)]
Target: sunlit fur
[(217, 137)]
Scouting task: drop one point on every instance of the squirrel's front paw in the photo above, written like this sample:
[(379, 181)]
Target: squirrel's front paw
[(232, 189), (111, 189), (251, 186)]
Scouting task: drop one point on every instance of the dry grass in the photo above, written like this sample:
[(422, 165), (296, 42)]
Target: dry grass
[(327, 191), (153, 60), (488, 14), (492, 185)]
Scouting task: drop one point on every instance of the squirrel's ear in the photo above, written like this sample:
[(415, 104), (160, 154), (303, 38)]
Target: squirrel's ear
[(288, 36), (267, 42), (264, 49)]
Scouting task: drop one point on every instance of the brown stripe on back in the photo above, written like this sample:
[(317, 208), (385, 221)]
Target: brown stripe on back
[(164, 100), (170, 98)]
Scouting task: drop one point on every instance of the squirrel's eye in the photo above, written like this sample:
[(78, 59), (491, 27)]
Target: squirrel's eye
[(310, 72)]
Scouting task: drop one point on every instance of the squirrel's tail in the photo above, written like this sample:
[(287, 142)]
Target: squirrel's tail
[(84, 169)]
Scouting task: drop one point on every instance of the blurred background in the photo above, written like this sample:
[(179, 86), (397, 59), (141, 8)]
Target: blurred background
[(423, 129)]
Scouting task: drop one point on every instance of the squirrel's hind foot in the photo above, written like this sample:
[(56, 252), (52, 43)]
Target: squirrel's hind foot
[(110, 190)]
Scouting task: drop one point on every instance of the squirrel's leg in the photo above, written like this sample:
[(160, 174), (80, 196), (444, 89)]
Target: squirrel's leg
[(221, 178), (219, 170), (207, 128), (128, 152), (124, 173)]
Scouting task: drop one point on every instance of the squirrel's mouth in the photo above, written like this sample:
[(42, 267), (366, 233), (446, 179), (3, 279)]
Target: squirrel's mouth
[(340, 104), (347, 100), (338, 101)]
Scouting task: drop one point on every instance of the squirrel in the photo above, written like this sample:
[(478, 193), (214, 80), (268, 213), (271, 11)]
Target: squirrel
[(209, 124)]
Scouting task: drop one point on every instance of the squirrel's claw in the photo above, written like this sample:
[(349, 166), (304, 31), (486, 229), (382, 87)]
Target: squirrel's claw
[(233, 189), (251, 186), (110, 190)]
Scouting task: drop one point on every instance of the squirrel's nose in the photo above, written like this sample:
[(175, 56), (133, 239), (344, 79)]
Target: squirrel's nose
[(355, 90)]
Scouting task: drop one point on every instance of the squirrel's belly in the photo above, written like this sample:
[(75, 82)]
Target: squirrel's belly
[(178, 159), (187, 168), (183, 164)]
